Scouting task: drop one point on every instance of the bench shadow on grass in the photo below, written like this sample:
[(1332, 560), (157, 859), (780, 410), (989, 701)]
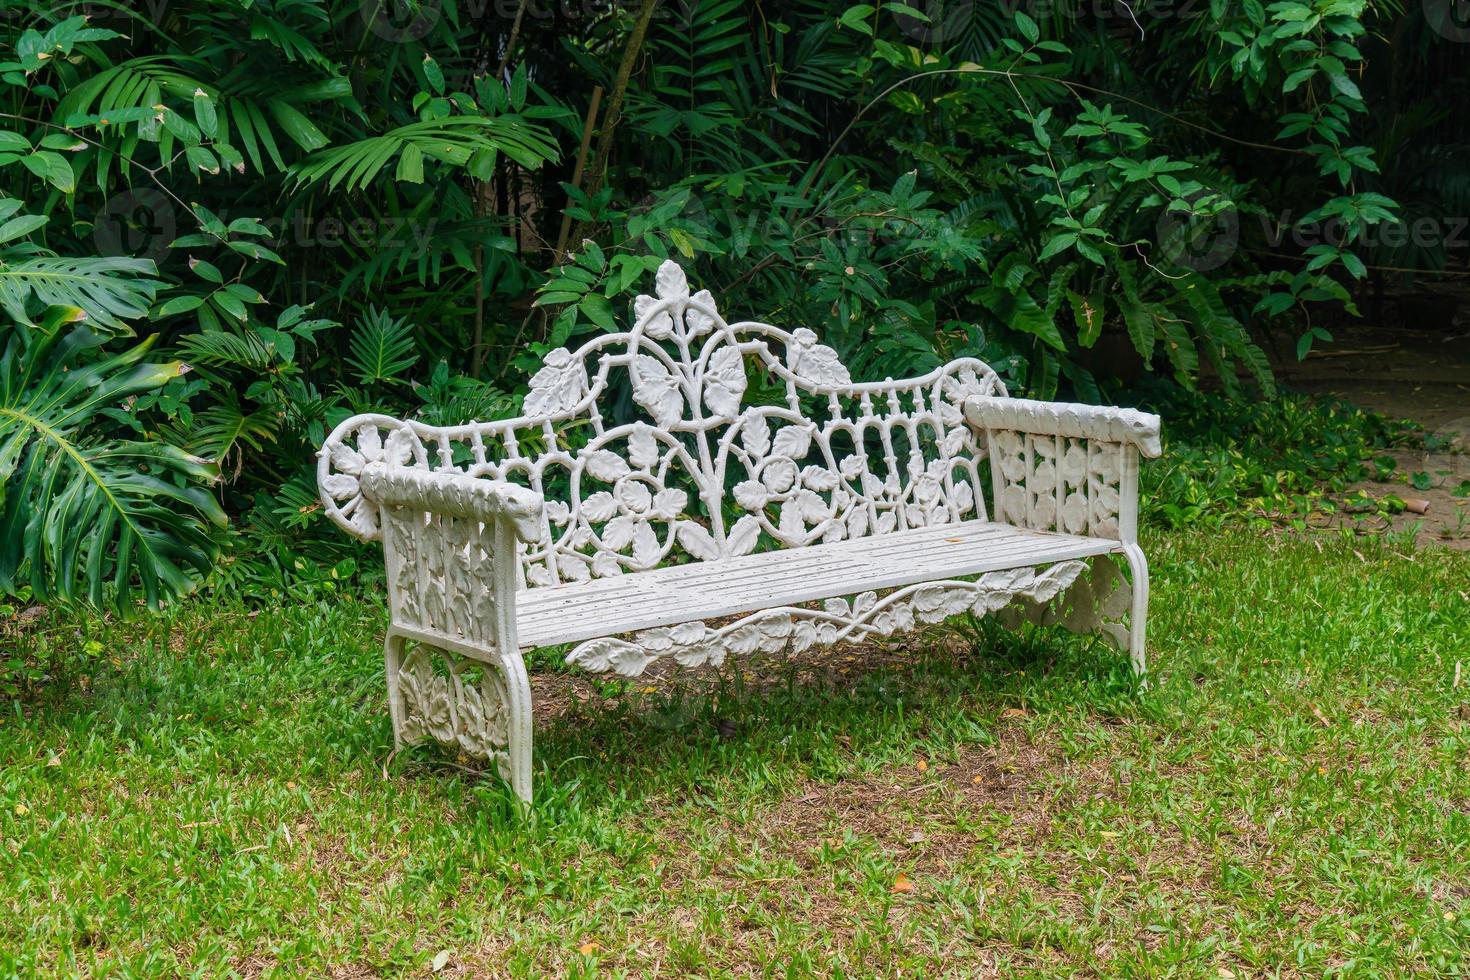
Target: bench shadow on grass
[(760, 725)]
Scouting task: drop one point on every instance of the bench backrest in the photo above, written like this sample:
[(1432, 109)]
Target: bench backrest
[(651, 447)]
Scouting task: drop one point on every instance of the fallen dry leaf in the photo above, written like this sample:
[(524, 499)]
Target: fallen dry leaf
[(902, 886)]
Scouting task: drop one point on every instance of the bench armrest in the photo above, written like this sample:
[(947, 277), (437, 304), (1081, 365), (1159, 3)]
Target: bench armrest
[(1121, 425), (455, 495), (1064, 467)]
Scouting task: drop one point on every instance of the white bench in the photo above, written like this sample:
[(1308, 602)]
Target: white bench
[(650, 503)]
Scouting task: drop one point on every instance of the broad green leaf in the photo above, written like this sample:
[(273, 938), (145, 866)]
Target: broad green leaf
[(205, 116), (410, 165), (433, 74), (110, 291), (52, 168), (1027, 26), (206, 271), (293, 123), (595, 307), (177, 305), (21, 226), (89, 518), (200, 158)]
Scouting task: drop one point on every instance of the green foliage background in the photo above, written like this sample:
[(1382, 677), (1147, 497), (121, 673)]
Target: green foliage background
[(316, 207)]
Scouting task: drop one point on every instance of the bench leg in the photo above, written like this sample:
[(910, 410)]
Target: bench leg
[(512, 690), (392, 662), (518, 725), (1138, 618)]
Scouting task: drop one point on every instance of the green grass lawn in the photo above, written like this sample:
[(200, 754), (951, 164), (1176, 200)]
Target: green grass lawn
[(1292, 797)]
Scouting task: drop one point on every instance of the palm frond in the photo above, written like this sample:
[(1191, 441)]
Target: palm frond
[(222, 432), (219, 348), (470, 142), (381, 348)]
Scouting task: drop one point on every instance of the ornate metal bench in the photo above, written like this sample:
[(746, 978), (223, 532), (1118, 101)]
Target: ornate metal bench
[(750, 497)]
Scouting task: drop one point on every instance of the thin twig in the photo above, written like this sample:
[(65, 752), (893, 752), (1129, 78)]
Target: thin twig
[(615, 101), (152, 172), (1011, 75), (510, 43), (1133, 17), (587, 124)]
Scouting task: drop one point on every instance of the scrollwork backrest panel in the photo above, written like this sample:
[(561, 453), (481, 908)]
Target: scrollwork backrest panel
[(688, 437)]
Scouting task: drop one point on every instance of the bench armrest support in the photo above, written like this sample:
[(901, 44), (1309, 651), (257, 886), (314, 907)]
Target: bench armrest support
[(450, 544), (1065, 467)]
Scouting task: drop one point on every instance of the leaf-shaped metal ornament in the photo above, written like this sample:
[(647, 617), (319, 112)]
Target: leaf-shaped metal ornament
[(340, 486), (669, 503), (724, 382), (607, 466), (557, 387), (619, 533), (642, 446), (743, 536), (646, 549), (658, 391), (345, 459), (793, 441), (694, 539), (696, 319), (658, 326), (755, 435), (671, 282), (815, 362), (599, 506)]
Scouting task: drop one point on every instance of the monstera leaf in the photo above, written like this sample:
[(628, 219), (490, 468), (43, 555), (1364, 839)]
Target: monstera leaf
[(83, 516), (111, 290)]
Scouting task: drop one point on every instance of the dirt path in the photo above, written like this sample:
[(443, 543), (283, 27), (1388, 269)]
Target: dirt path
[(1417, 368)]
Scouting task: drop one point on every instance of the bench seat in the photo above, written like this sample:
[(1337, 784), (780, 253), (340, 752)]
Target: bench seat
[(708, 590)]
